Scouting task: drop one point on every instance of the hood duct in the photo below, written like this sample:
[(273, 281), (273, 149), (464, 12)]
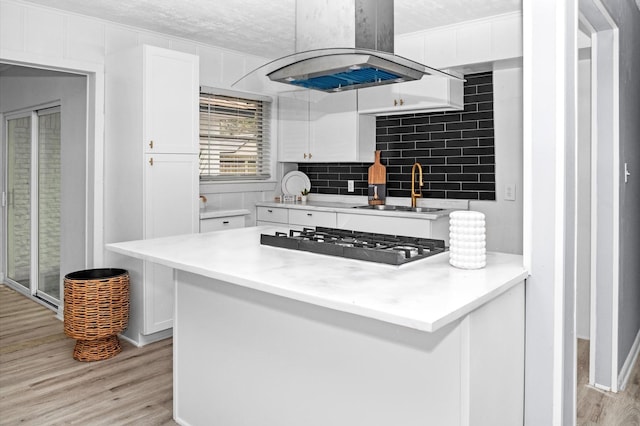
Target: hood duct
[(341, 45)]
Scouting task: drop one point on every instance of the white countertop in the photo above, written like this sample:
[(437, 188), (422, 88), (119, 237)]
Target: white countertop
[(210, 214), (340, 207), (426, 294)]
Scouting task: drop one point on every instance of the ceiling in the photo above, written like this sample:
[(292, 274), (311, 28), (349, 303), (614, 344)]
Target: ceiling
[(259, 27)]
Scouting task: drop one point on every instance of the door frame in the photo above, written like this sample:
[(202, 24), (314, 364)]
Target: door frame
[(94, 208), (605, 195)]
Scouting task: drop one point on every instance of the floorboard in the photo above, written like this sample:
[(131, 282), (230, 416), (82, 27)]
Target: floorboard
[(41, 383), (596, 407)]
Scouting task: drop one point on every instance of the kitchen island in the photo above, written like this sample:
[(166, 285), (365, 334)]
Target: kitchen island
[(270, 336)]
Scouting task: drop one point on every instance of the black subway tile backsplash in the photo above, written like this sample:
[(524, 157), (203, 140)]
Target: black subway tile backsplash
[(455, 149), (430, 128), (478, 79)]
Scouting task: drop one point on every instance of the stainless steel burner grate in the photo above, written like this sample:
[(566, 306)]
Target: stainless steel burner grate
[(372, 247)]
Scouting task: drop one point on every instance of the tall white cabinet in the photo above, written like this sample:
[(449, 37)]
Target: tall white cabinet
[(151, 171)]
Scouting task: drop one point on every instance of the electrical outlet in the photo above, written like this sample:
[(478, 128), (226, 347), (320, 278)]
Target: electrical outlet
[(350, 186), (510, 192)]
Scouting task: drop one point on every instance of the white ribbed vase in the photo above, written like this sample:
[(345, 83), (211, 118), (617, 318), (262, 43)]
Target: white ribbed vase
[(467, 240)]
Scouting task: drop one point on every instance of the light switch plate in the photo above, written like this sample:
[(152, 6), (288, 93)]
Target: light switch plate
[(350, 186), (510, 192)]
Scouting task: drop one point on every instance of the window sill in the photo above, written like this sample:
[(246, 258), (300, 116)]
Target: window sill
[(238, 186)]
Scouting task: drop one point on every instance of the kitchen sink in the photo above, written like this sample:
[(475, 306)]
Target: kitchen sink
[(387, 207)]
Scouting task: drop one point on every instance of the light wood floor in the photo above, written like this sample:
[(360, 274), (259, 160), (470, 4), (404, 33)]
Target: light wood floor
[(41, 384), (595, 407)]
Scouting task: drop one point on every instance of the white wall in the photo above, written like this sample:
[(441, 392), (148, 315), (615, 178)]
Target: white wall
[(549, 121), (504, 218), (22, 92), (627, 16), (33, 35)]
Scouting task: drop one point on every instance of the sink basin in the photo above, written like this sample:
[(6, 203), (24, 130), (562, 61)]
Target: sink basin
[(387, 207), (425, 209), (382, 207)]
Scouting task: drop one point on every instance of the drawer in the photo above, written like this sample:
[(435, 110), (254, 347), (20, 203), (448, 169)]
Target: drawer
[(221, 223), (272, 214), (312, 218), (385, 225)]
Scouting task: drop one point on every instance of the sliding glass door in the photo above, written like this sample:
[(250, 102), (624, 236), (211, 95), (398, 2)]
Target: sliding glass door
[(33, 202), (49, 175), (18, 199)]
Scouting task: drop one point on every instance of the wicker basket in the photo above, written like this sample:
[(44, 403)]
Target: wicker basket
[(96, 309)]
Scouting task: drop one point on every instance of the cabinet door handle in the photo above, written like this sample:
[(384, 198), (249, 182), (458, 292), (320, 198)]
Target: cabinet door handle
[(309, 156), (151, 144), (151, 161), (395, 102), (304, 155), (270, 211), (401, 102), (225, 222)]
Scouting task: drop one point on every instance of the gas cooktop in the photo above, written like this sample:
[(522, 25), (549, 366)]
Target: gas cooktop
[(372, 247)]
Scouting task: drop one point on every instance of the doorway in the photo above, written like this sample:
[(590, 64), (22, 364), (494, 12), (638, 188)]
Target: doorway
[(44, 179)]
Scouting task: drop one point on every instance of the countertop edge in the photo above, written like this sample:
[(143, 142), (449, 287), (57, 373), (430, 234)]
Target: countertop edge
[(350, 208), (210, 214), (518, 275)]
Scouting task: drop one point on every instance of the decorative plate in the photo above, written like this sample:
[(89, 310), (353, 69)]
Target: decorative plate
[(294, 182)]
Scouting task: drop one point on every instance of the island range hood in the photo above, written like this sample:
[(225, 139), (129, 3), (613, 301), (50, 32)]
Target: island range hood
[(341, 45)]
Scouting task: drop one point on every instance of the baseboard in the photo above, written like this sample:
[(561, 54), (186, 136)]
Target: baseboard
[(133, 342), (625, 371), (144, 340)]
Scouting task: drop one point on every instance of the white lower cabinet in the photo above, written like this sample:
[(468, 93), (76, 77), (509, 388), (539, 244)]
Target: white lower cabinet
[(410, 226), (272, 216), (424, 228), (295, 217), (312, 218), (221, 223), (158, 298)]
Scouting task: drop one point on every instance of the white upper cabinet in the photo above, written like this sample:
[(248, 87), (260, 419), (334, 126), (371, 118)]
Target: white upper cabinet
[(337, 133), (428, 94), (293, 129), (479, 42), (169, 127), (319, 127)]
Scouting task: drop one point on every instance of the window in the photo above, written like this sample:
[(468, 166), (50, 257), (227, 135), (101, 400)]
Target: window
[(234, 138)]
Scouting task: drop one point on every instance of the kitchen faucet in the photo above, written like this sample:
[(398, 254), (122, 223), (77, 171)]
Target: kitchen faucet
[(415, 194)]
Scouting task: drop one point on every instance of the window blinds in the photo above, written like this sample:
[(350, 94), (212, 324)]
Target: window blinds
[(234, 138)]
